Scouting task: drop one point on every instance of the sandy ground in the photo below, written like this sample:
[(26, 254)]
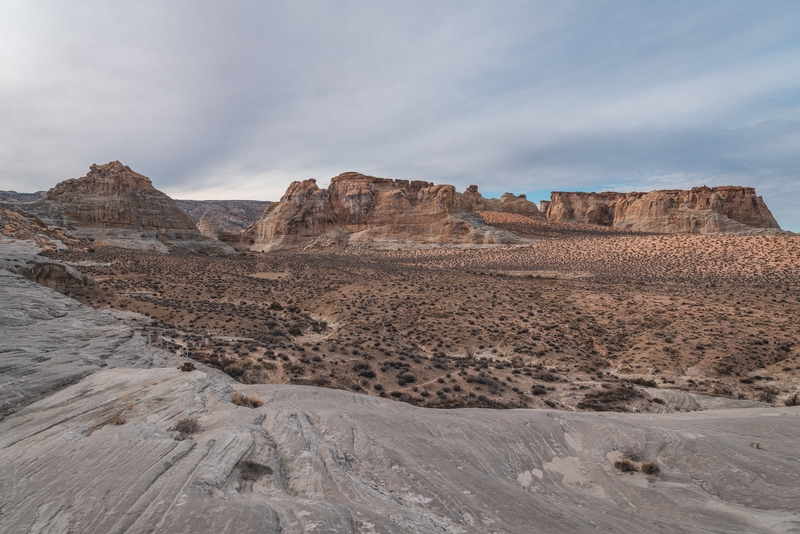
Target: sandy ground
[(570, 321)]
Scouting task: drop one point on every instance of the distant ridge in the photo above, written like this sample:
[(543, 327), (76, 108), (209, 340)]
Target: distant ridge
[(24, 198), (227, 216)]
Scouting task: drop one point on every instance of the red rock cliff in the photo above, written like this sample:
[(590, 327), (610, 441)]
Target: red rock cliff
[(701, 210), (118, 206), (374, 209), (114, 196)]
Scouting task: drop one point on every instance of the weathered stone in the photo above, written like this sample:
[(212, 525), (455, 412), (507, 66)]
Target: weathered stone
[(223, 217), (120, 207), (380, 210), (701, 210)]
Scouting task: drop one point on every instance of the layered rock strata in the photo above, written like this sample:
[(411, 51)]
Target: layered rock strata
[(120, 207), (701, 210), (22, 197), (379, 211)]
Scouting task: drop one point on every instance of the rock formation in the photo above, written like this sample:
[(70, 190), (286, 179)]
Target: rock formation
[(223, 217), (380, 211), (544, 205), (120, 207), (508, 203), (208, 226), (22, 197), (701, 210)]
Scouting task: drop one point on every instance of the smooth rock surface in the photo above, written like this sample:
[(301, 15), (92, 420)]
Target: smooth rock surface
[(343, 462), (49, 340)]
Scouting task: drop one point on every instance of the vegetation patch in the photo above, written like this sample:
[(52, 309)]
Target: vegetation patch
[(186, 427), (248, 401), (253, 470)]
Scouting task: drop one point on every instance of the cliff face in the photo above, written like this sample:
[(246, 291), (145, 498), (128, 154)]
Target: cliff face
[(701, 210), (118, 206), (113, 196), (375, 210)]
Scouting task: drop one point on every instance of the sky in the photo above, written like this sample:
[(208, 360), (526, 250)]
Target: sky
[(236, 99)]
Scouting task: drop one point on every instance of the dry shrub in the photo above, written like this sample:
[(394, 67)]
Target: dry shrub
[(626, 466), (248, 401), (253, 470), (648, 382), (650, 468), (794, 400), (768, 395), (187, 426)]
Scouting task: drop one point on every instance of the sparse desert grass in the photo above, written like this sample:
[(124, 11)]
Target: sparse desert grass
[(650, 306), (249, 401)]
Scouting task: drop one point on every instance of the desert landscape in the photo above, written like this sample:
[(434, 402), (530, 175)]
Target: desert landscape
[(547, 314), (399, 267), (560, 323), (394, 356)]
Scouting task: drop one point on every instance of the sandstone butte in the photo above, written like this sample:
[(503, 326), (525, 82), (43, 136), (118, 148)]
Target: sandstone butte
[(701, 210), (117, 206), (356, 208)]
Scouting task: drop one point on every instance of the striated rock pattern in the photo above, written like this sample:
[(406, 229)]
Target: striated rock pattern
[(207, 225), (375, 210), (49, 340), (223, 217), (118, 206), (21, 257), (114, 196), (544, 205), (701, 210)]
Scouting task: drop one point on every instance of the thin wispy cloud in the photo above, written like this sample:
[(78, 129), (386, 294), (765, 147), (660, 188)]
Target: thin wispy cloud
[(235, 100)]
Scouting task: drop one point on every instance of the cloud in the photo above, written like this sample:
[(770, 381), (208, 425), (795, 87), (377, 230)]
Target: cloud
[(237, 99)]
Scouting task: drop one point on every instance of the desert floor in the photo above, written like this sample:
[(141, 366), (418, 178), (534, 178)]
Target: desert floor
[(570, 321)]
